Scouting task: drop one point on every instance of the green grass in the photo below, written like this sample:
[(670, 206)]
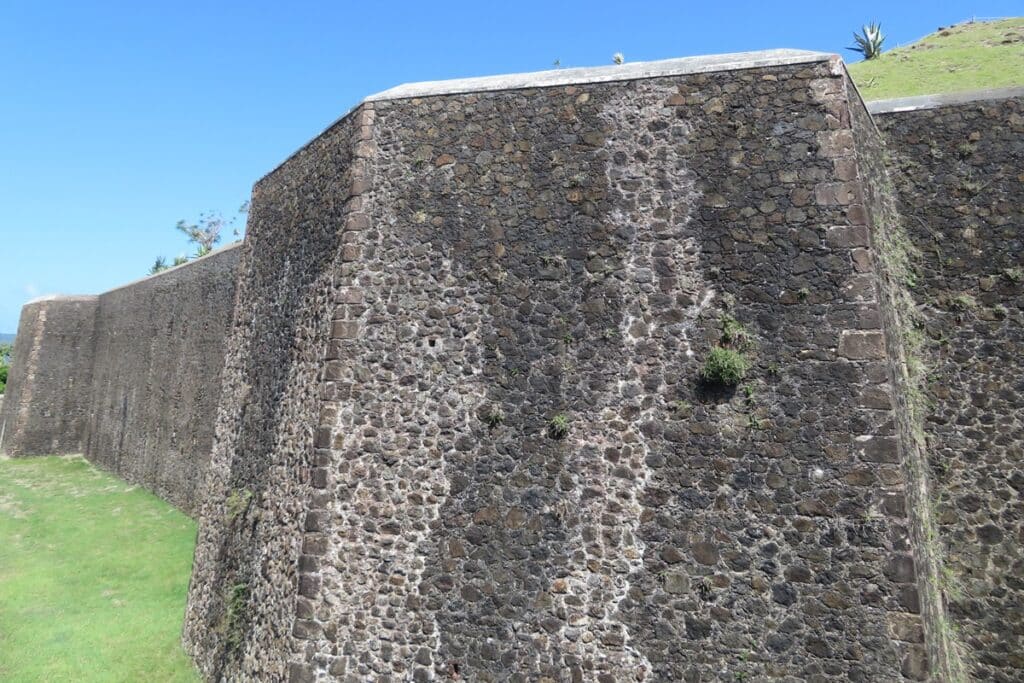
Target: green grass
[(968, 56), (93, 576)]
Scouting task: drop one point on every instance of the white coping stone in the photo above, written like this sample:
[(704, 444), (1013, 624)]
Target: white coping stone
[(901, 104), (602, 74), (62, 298), (169, 269), (732, 61)]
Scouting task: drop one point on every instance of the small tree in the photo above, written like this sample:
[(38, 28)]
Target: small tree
[(205, 234), (869, 41)]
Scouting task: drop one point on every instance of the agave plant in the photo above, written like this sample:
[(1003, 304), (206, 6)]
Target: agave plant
[(869, 41)]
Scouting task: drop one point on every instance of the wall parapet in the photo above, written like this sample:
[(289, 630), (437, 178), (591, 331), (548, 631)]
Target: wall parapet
[(908, 104)]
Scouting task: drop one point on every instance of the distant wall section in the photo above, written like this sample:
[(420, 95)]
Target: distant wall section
[(159, 351), (46, 402), (956, 163), (130, 377)]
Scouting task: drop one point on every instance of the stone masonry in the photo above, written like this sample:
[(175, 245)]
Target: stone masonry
[(959, 174), (465, 429), (44, 407), (130, 378), (512, 256)]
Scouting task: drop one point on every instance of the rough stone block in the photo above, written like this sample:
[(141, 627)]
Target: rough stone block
[(858, 345), (836, 143), (357, 223), (349, 295), (344, 329), (860, 287), (847, 236), (879, 449)]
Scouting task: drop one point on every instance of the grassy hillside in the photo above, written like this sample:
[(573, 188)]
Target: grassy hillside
[(93, 577), (968, 56)]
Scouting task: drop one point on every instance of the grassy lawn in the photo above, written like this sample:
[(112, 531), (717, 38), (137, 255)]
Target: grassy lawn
[(93, 576), (968, 56)]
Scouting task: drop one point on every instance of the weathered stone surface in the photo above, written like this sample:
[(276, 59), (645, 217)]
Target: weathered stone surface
[(569, 251), (249, 566), (956, 163), (159, 351), (861, 345), (464, 433), (130, 378), (46, 404)]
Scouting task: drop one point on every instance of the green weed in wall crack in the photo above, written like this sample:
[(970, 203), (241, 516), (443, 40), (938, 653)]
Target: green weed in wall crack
[(234, 621), (558, 428), (493, 417), (727, 367), (734, 334), (237, 503)]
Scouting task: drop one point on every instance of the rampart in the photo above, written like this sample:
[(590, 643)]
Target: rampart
[(45, 409), (958, 167), (130, 378), (465, 429)]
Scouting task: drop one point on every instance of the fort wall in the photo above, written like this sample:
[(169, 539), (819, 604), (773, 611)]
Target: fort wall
[(447, 413), (956, 163), (266, 472), (156, 370), (45, 405), (130, 378), (576, 251)]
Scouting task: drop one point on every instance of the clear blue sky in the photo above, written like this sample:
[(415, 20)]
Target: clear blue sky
[(117, 119)]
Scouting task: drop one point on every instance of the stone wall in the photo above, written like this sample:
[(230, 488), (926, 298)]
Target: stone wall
[(130, 378), (240, 614), (158, 354), (45, 405), (891, 252), (524, 259), (957, 164), (455, 408)]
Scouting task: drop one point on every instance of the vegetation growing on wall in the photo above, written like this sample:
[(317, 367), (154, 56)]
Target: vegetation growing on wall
[(725, 366), (897, 257), (558, 428), (234, 620), (727, 363), (237, 503)]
